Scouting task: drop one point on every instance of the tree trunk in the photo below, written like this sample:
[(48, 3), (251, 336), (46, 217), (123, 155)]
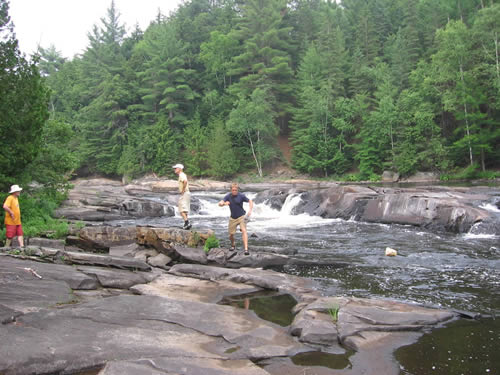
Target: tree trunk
[(497, 57), (259, 167), (483, 164), (466, 118)]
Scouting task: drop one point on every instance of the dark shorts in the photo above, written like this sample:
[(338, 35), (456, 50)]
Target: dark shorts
[(13, 230)]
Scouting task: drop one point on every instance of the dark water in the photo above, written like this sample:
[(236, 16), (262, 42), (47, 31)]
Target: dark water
[(463, 347), (451, 271), (273, 307), (333, 361)]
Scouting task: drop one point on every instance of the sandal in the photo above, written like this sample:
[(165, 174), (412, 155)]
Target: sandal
[(232, 248), (246, 252)]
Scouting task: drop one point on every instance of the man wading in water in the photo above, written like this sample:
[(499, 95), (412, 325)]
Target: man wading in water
[(235, 202)]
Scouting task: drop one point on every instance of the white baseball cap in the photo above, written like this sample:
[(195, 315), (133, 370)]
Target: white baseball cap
[(15, 188), (180, 166)]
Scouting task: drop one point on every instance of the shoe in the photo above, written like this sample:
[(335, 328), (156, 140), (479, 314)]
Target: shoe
[(246, 252), (187, 226), (232, 248)]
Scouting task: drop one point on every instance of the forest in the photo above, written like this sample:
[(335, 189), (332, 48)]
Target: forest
[(355, 87)]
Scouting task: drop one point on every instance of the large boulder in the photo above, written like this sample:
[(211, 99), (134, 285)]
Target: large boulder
[(102, 199), (164, 239), (439, 208)]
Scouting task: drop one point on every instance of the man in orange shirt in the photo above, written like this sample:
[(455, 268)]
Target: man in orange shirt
[(13, 216)]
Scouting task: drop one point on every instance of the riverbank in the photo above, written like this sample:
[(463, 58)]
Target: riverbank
[(116, 314), (112, 202)]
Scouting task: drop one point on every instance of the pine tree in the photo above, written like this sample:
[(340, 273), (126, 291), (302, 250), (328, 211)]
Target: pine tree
[(23, 105), (265, 62)]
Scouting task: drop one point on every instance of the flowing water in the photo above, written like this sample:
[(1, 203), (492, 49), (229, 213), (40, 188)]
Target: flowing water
[(444, 270)]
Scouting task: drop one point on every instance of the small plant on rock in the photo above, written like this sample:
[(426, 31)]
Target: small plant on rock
[(334, 313), (210, 243)]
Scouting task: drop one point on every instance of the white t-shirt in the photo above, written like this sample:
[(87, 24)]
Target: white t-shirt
[(182, 178)]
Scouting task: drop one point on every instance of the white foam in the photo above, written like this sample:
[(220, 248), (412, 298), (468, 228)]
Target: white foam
[(490, 207), (472, 236)]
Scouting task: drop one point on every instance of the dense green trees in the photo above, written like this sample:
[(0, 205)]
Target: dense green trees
[(35, 146), (358, 86), (23, 106)]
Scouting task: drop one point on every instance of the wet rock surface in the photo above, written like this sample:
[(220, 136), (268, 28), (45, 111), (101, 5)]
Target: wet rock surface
[(435, 208)]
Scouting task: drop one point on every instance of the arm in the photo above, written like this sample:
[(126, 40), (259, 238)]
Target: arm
[(250, 203), (224, 203), (184, 184), (8, 210)]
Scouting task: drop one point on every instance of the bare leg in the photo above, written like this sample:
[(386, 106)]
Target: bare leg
[(20, 239), (231, 238), (184, 215), (8, 242), (244, 236)]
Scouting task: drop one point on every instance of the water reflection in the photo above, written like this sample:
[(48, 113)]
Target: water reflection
[(333, 361), (276, 308)]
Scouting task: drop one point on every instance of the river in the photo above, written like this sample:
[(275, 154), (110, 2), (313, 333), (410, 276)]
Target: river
[(443, 270)]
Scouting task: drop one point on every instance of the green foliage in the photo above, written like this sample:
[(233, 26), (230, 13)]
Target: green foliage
[(23, 107), (162, 148), (222, 159), (363, 86), (55, 162), (195, 148), (253, 120), (211, 243), (471, 172), (217, 53), (36, 214), (334, 313)]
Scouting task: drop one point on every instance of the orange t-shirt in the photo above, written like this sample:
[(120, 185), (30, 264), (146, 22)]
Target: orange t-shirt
[(13, 203)]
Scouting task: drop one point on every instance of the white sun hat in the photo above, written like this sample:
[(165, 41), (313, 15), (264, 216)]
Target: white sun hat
[(180, 166), (15, 188)]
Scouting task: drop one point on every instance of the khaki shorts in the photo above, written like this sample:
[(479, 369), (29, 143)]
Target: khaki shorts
[(233, 223), (184, 202)]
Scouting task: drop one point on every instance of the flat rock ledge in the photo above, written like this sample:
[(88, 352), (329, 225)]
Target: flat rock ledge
[(110, 319), (163, 247)]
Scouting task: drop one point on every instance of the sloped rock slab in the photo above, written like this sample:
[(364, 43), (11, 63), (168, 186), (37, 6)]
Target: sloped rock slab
[(46, 242), (8, 315), (191, 289), (360, 319), (183, 366), (120, 279), (21, 290), (104, 260), (102, 199), (135, 327), (301, 289), (87, 336)]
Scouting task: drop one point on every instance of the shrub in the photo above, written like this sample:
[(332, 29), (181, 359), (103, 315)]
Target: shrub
[(211, 242)]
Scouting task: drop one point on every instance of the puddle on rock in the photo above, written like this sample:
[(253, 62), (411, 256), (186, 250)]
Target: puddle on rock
[(333, 361), (276, 308)]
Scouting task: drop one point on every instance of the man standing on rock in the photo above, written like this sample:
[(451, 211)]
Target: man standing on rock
[(13, 217), (235, 200), (185, 198)]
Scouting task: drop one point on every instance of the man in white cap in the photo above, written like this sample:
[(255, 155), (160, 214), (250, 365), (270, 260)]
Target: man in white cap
[(185, 198), (13, 217)]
